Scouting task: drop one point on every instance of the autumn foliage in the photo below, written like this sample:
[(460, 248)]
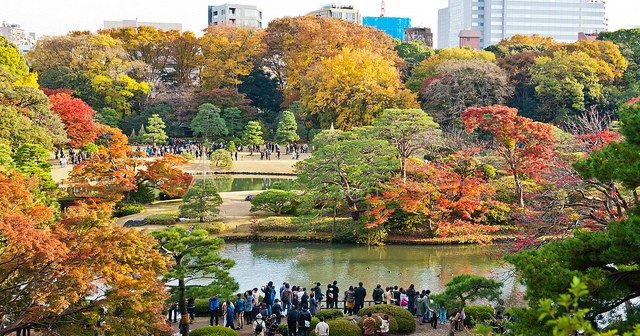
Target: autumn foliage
[(452, 196), (116, 170), (76, 116)]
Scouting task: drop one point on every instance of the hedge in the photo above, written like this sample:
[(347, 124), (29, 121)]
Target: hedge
[(211, 227), (161, 219), (330, 314), (213, 331), (340, 328), (477, 314), (406, 322), (393, 324)]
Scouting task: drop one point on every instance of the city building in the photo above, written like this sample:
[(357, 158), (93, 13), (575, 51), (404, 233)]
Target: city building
[(499, 19), (347, 13), (165, 26), (238, 15), (393, 26), (17, 36), (469, 38), (587, 36), (419, 34)]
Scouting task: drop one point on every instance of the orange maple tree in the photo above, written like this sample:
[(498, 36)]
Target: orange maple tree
[(115, 170), (525, 145), (452, 196), (68, 274), (76, 116)]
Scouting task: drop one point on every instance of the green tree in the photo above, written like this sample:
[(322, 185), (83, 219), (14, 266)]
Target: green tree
[(32, 160), (201, 202), (233, 119), (468, 288), (198, 269), (220, 158), (154, 132), (287, 129), (349, 170), (274, 200), (252, 135), (208, 122)]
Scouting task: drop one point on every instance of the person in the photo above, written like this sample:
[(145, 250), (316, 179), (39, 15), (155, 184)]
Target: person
[(499, 309), (271, 325), (277, 310), (191, 308), (318, 296), (258, 326), (411, 298), (263, 309), (336, 293), (384, 325), (433, 318), (240, 311), (350, 298), (369, 325), (213, 309), (361, 293), (304, 321), (322, 328), (304, 299), (378, 293), (174, 311), (284, 285), (330, 301), (396, 295), (292, 320), (443, 313), (248, 306), (421, 308), (230, 313), (286, 296), (404, 302), (269, 294), (388, 296)]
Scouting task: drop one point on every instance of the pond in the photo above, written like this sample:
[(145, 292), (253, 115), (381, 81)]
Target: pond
[(303, 263), (226, 183)]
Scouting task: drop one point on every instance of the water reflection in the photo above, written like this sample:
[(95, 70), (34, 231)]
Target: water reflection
[(226, 183), (428, 267)]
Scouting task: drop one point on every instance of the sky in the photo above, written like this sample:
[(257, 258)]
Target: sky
[(57, 17)]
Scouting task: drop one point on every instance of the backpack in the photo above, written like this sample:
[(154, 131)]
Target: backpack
[(259, 327)]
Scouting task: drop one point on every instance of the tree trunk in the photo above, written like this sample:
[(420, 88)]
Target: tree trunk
[(355, 213), (519, 190), (182, 304)]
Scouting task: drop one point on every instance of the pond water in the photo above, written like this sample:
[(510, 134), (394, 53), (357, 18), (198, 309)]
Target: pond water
[(226, 183), (303, 263)]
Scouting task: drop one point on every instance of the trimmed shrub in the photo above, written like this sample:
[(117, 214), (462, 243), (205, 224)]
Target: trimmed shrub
[(343, 328), (202, 307), (477, 314), (274, 200), (211, 227), (330, 314), (314, 323), (277, 224), (128, 209), (188, 156), (406, 322), (213, 331), (161, 219), (393, 324), (283, 329)]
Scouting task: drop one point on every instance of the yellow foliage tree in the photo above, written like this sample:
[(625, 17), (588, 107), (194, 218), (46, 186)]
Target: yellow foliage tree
[(534, 40), (228, 54), (351, 88), (611, 63)]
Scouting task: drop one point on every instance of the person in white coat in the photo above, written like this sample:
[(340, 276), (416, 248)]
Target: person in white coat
[(259, 331), (322, 328)]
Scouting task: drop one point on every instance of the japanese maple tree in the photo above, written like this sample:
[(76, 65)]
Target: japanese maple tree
[(525, 145), (76, 116)]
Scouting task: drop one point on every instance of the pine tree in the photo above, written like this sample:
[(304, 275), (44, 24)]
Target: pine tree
[(252, 135), (287, 127), (155, 131), (208, 122)]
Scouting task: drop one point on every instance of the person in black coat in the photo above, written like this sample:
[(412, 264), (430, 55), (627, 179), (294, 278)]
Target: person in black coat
[(361, 293), (292, 320)]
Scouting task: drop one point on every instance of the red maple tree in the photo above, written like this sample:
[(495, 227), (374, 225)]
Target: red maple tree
[(76, 116), (526, 146)]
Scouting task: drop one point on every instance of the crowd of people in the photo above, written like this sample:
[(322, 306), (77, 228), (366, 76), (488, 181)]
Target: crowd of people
[(266, 308)]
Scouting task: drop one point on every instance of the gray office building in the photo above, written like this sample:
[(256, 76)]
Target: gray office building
[(498, 19), (238, 15)]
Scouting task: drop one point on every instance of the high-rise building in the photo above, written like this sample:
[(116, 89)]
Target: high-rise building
[(419, 34), (238, 15), (347, 13), (165, 26), (17, 36), (393, 26), (499, 19)]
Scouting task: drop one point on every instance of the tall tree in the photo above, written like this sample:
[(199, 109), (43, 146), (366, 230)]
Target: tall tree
[(11, 59), (252, 135), (233, 119), (198, 268), (350, 170), (469, 288), (201, 201), (208, 122), (526, 146), (519, 78), (155, 131), (351, 88), (287, 129), (77, 118), (611, 64)]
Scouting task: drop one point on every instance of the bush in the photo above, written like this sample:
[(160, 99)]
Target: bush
[(202, 307), (314, 323), (213, 331), (283, 329), (393, 324), (274, 200), (161, 219), (134, 223), (477, 314), (188, 156), (144, 194), (343, 328), (279, 224), (211, 227), (330, 314), (220, 158), (488, 171), (406, 322), (128, 209)]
